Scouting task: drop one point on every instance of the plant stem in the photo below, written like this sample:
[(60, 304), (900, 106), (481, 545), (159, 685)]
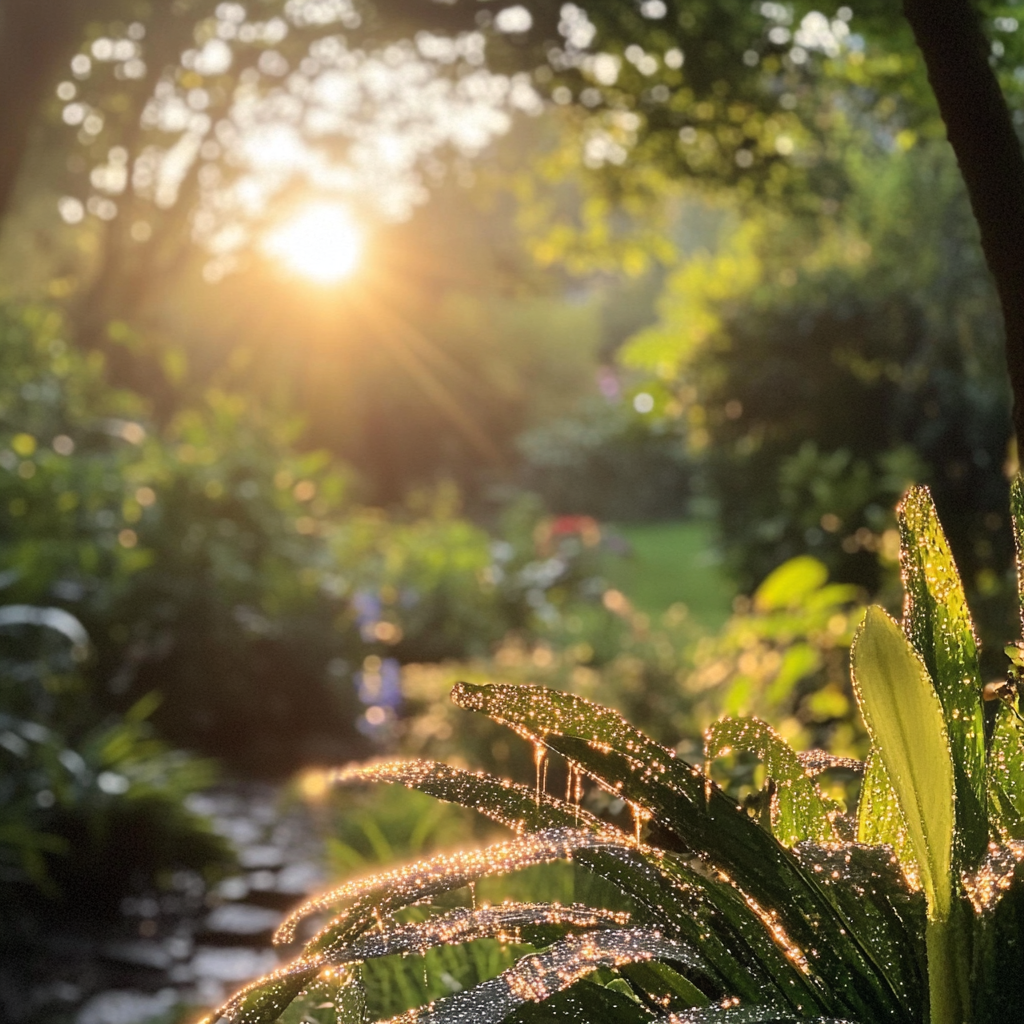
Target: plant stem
[(948, 984)]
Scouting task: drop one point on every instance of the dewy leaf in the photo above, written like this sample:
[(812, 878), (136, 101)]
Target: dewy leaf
[(746, 1015), (738, 952), (403, 886), (583, 1003), (847, 973), (520, 808), (938, 623), (998, 940), (540, 975), (908, 733), (1006, 774), (880, 820), (1017, 518), (799, 811)]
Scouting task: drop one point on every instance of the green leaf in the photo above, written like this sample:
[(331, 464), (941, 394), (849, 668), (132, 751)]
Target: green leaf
[(538, 976), (1017, 518), (798, 809), (789, 584), (998, 950), (938, 623), (847, 972), (908, 734), (749, 1015), (1006, 774), (666, 988), (520, 808), (879, 818), (711, 915), (585, 1001)]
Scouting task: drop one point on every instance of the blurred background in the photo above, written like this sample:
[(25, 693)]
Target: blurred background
[(350, 349)]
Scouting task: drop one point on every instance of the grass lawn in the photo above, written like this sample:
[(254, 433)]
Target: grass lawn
[(673, 562)]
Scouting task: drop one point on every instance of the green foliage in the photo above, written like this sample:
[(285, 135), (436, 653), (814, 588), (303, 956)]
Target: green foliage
[(761, 917), (72, 787), (603, 462), (815, 371), (213, 544)]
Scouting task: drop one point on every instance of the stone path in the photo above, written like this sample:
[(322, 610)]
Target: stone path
[(191, 946)]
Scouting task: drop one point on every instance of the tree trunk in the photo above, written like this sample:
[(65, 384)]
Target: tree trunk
[(981, 132), (35, 38)]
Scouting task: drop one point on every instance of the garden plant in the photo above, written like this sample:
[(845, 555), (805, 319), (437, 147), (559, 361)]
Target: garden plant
[(911, 910)]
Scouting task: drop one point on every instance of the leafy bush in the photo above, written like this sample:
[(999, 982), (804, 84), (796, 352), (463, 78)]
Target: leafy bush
[(73, 786), (605, 462), (212, 546), (777, 917), (874, 334)]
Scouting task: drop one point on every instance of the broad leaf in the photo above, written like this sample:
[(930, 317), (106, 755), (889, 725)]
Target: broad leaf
[(938, 623), (798, 809), (908, 735), (879, 818)]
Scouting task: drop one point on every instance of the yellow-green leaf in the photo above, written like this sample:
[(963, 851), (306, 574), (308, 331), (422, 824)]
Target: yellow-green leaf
[(908, 733)]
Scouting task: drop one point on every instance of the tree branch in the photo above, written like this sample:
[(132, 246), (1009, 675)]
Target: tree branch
[(981, 132)]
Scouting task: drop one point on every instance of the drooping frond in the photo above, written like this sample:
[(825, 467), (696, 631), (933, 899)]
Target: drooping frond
[(516, 806), (505, 922), (853, 976), (798, 809), (536, 977), (414, 882), (745, 1015)]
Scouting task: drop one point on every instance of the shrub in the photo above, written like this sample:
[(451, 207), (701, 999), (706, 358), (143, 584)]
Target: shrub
[(74, 785), (903, 913)]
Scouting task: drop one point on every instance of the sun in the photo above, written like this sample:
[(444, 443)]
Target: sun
[(321, 242)]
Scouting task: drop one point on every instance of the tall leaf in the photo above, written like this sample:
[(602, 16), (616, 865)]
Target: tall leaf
[(879, 818), (908, 734), (1006, 774), (938, 623), (1017, 519)]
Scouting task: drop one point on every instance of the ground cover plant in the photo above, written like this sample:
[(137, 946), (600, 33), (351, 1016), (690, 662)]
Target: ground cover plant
[(910, 910)]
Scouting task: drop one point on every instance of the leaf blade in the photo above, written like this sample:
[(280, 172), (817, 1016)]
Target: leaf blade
[(938, 623), (904, 717)]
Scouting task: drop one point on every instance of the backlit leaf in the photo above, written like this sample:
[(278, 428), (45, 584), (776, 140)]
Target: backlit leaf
[(938, 623), (908, 733), (798, 809), (852, 978)]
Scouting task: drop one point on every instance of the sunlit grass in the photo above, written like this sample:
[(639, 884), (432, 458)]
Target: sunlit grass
[(675, 562)]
